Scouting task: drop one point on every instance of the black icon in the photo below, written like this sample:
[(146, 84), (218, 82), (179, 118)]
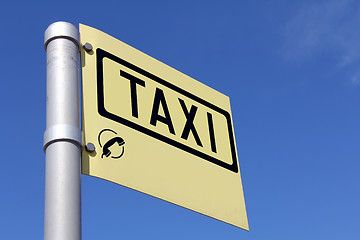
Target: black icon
[(117, 141), (111, 142)]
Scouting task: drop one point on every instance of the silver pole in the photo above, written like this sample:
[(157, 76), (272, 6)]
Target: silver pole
[(62, 138)]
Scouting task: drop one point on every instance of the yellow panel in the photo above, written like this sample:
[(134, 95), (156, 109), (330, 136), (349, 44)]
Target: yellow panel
[(158, 131)]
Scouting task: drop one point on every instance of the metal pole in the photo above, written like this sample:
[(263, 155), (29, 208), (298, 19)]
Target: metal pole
[(62, 138)]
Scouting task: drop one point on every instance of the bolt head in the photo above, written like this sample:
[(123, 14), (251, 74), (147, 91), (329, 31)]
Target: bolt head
[(90, 147), (88, 47)]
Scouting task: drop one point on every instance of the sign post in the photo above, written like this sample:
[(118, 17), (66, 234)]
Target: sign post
[(62, 138), (146, 126)]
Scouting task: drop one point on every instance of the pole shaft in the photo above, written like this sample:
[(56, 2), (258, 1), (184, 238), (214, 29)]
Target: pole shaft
[(62, 146)]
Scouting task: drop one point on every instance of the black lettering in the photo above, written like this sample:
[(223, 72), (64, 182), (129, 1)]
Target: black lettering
[(160, 99), (189, 125), (211, 132), (133, 81)]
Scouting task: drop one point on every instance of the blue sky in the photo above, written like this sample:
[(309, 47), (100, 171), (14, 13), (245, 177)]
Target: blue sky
[(291, 70)]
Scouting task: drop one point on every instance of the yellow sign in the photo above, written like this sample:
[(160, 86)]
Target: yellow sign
[(158, 131)]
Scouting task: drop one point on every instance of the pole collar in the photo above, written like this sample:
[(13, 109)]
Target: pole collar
[(62, 132), (61, 30)]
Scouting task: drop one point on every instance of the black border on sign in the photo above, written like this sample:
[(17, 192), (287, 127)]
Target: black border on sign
[(101, 54)]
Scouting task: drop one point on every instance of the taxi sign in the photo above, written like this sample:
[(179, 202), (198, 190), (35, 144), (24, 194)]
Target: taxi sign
[(158, 131)]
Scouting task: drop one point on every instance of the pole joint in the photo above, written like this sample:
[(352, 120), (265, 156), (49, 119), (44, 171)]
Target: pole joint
[(62, 132), (62, 30)]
